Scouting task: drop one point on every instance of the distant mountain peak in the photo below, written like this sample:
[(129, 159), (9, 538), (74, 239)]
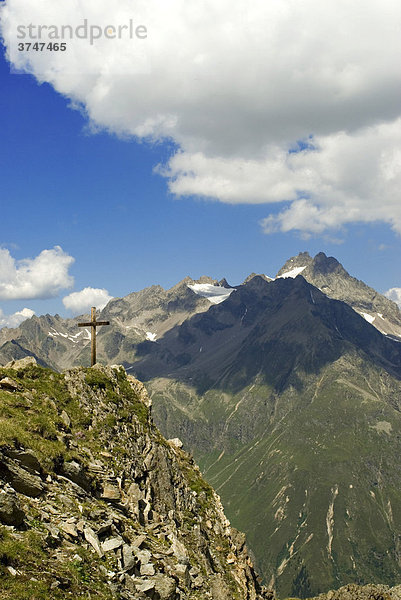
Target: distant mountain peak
[(329, 275), (252, 275)]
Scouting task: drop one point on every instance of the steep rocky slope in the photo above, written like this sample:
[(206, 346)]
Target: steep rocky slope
[(95, 503), (365, 592)]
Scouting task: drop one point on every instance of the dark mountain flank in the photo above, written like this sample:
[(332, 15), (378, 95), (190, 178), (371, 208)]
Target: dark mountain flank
[(271, 329)]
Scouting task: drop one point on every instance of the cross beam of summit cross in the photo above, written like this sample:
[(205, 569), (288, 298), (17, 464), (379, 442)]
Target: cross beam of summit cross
[(93, 324)]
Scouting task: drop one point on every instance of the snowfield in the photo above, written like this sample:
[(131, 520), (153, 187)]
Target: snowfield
[(214, 293)]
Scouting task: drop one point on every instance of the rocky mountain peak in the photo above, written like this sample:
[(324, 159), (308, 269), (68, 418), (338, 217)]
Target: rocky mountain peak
[(321, 263), (224, 283), (329, 275), (327, 264), (301, 260), (252, 275)]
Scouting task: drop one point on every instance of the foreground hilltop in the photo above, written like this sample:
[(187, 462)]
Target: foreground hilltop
[(95, 503)]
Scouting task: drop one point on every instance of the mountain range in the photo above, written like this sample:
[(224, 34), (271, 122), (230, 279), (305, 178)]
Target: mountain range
[(287, 390)]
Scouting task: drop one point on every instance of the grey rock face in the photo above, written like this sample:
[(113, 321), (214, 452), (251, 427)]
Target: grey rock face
[(10, 510), (20, 479), (22, 363)]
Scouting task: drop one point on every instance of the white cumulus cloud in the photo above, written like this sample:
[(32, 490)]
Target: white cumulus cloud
[(395, 295), (16, 319), (40, 277), (268, 101), (79, 302)]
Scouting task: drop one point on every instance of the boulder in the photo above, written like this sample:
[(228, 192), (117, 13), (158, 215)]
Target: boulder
[(182, 572), (10, 511), (112, 544), (69, 528), (129, 560), (27, 460), (75, 473), (176, 442), (21, 480), (147, 569), (21, 364), (165, 587), (93, 540), (8, 384), (65, 419), (145, 586), (111, 493)]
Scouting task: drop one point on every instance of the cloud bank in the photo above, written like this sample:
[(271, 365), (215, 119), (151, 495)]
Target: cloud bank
[(40, 277), (292, 103), (80, 302), (395, 295), (16, 319)]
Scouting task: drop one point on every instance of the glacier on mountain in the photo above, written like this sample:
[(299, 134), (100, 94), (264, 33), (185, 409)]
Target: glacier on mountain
[(214, 293)]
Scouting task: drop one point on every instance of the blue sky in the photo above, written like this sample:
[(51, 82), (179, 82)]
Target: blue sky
[(97, 196)]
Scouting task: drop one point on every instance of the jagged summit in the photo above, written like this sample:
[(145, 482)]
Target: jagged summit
[(332, 279), (269, 328), (320, 264), (147, 315), (252, 275)]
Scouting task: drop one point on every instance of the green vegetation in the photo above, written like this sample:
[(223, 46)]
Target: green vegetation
[(310, 474), (43, 394), (29, 556), (41, 397)]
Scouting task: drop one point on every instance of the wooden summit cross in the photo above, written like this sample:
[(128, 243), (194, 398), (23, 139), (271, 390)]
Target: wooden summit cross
[(93, 324)]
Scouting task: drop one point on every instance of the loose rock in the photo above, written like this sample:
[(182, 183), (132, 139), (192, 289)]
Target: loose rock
[(10, 510)]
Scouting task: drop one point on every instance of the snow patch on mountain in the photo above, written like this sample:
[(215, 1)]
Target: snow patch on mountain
[(293, 273), (214, 293), (72, 338), (369, 318), (151, 336)]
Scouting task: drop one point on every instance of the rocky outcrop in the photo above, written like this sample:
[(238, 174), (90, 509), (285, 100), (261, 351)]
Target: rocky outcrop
[(363, 592), (102, 504), (10, 511)]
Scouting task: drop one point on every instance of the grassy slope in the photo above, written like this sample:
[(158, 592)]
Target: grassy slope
[(312, 476), (31, 417)]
